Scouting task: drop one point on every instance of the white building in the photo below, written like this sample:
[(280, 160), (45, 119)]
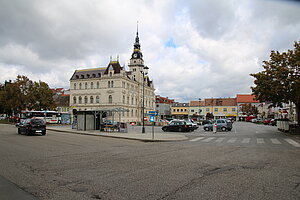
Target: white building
[(114, 88)]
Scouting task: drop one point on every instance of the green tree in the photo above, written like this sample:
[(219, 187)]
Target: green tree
[(279, 82), (41, 97), (249, 109)]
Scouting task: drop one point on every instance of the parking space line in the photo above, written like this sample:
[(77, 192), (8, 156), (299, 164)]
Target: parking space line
[(196, 139), (220, 139), (260, 141), (292, 142), (246, 140), (232, 140), (208, 139), (275, 141)]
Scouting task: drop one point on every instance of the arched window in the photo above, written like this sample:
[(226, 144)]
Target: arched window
[(123, 99), (127, 100), (97, 99), (110, 99), (85, 99), (109, 84), (112, 83), (98, 85), (74, 100), (80, 86), (132, 113), (110, 73), (91, 99), (132, 100), (74, 86), (86, 86), (80, 100), (92, 85)]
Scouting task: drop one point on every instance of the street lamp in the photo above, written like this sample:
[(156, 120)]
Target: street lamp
[(199, 109), (144, 71)]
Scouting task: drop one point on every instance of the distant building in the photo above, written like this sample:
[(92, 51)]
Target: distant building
[(113, 88), (163, 106), (221, 107), (197, 110), (243, 99), (180, 110)]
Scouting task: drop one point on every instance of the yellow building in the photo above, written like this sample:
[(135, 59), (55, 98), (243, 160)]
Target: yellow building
[(180, 110), (221, 107)]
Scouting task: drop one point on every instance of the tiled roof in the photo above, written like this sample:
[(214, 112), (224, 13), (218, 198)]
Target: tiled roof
[(197, 103), (115, 66), (88, 73), (246, 98), (221, 102)]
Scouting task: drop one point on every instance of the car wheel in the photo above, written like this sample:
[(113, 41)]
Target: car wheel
[(28, 132), (180, 130), (206, 129), (223, 129), (164, 129), (43, 132)]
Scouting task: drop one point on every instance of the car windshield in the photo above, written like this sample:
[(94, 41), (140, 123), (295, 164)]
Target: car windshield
[(37, 121)]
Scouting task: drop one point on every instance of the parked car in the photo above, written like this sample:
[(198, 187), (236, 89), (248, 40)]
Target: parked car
[(267, 121), (206, 122), (273, 122), (222, 124), (32, 126), (195, 126), (179, 126)]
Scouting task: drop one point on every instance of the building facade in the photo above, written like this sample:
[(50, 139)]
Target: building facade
[(243, 99), (113, 88), (221, 107), (180, 110), (163, 106)]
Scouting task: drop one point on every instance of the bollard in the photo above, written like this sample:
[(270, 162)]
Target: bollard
[(215, 127)]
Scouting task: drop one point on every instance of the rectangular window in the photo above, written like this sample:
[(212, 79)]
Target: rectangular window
[(216, 110), (233, 109), (207, 109), (192, 111), (224, 109)]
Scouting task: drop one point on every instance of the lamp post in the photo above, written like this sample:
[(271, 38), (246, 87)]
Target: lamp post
[(144, 71), (199, 109)]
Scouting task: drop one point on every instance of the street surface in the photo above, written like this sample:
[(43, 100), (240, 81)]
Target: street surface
[(250, 162)]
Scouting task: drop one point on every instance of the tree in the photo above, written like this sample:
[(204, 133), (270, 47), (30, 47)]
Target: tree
[(25, 94), (279, 82), (249, 109), (209, 116)]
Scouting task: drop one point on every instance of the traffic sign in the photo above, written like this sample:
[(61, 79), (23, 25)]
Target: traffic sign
[(151, 118), (153, 113)]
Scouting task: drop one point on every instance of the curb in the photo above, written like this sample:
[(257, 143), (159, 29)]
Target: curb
[(118, 137)]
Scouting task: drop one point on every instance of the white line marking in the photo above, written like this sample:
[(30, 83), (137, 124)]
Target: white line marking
[(196, 139), (260, 141), (292, 142), (246, 140), (220, 139), (208, 139), (232, 140), (275, 141)]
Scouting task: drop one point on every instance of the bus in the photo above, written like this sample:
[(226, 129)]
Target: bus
[(50, 117)]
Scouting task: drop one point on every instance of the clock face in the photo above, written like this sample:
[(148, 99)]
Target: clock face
[(134, 55)]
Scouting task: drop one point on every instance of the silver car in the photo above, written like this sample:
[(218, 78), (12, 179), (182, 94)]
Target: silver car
[(222, 124)]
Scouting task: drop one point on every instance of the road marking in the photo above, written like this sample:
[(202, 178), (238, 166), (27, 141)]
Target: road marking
[(275, 141), (208, 139), (260, 141), (220, 139), (196, 139), (292, 142), (232, 140), (246, 140)]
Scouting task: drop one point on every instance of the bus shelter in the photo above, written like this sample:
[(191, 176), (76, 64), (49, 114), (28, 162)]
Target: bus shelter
[(94, 119)]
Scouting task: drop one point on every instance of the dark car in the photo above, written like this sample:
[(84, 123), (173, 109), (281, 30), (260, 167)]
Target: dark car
[(179, 126), (32, 126)]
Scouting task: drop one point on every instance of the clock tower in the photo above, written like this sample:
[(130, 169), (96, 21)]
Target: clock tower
[(136, 64)]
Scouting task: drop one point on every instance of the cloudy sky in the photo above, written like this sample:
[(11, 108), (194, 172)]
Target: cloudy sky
[(194, 48)]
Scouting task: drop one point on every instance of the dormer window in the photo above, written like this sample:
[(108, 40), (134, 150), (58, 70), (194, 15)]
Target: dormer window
[(94, 75), (99, 74), (77, 76), (82, 76), (110, 73), (88, 75)]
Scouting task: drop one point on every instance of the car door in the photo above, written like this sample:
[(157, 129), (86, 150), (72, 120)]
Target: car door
[(22, 125)]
